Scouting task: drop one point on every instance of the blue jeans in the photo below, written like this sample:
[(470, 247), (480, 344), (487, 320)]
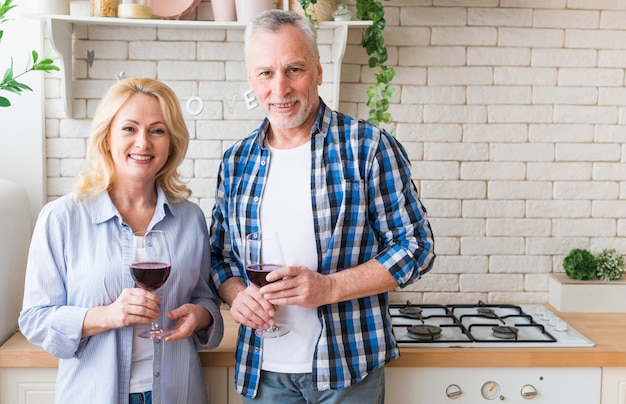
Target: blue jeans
[(141, 398), (297, 388)]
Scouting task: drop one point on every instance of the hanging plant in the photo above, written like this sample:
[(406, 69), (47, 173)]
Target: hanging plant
[(381, 92), (309, 11), (9, 81)]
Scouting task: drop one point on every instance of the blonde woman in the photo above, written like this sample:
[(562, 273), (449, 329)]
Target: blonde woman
[(80, 301)]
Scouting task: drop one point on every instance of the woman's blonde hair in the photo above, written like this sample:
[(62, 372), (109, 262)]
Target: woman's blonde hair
[(101, 169)]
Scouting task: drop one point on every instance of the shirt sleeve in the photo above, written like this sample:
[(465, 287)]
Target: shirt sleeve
[(224, 257), (206, 296), (398, 214), (46, 319)]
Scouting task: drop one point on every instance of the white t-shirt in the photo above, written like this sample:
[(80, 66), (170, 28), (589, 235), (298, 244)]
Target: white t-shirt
[(286, 209)]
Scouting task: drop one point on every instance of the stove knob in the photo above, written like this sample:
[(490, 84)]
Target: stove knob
[(561, 326), (528, 392), (453, 391), (491, 391)]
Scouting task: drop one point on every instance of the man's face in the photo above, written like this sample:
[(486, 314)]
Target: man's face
[(285, 74)]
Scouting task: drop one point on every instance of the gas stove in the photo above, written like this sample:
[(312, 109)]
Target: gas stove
[(482, 325)]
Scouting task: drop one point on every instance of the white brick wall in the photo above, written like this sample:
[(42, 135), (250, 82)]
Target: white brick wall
[(510, 111)]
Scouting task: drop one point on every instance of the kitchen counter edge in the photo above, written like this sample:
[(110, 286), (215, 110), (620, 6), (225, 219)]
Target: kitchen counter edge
[(606, 330)]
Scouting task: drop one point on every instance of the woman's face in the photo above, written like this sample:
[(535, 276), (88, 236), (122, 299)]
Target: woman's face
[(138, 140)]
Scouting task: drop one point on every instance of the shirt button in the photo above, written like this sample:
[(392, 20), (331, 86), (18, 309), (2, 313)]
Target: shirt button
[(255, 199), (157, 374), (262, 162), (256, 349)]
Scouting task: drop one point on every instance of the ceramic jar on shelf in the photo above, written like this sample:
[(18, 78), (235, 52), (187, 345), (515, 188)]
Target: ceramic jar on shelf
[(58, 7), (134, 9), (248, 9), (224, 10)]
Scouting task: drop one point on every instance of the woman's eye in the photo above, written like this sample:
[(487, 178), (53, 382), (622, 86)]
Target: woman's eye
[(158, 131), (128, 129)]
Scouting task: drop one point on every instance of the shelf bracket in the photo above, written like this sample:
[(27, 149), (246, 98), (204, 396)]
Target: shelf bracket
[(339, 50), (61, 41)]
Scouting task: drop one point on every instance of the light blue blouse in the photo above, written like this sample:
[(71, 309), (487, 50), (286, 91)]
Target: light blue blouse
[(79, 258)]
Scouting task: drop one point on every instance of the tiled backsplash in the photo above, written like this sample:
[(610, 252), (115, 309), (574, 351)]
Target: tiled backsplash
[(511, 112)]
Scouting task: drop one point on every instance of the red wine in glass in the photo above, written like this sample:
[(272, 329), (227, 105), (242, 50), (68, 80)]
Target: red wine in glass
[(263, 254), (257, 273), (150, 267), (150, 275)]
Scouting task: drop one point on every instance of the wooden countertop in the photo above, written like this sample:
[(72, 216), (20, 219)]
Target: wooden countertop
[(607, 330)]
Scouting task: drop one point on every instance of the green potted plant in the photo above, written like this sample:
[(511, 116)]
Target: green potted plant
[(579, 264), (9, 81), (381, 92), (609, 265)]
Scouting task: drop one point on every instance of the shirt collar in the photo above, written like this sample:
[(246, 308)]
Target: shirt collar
[(101, 207)]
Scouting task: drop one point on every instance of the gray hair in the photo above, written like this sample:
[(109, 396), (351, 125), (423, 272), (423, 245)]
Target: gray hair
[(273, 20)]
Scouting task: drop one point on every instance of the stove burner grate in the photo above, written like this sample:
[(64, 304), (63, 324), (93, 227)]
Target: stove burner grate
[(411, 311), (500, 324), (424, 332), (505, 332)]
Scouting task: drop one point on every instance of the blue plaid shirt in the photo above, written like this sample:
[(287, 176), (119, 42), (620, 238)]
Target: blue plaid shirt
[(365, 206)]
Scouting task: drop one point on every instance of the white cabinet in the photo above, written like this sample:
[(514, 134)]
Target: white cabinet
[(27, 385), (221, 386), (613, 386), (36, 385)]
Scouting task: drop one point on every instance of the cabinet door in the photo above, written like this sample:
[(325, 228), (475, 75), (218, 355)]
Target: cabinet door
[(216, 381), (221, 385), (27, 385), (233, 396), (613, 386)]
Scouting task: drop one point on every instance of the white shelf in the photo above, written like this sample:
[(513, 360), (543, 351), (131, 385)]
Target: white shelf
[(61, 28)]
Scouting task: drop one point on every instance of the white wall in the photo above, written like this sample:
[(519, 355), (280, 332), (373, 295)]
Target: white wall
[(512, 113), (22, 140)]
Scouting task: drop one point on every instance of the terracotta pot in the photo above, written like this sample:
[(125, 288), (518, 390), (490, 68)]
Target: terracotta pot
[(224, 10)]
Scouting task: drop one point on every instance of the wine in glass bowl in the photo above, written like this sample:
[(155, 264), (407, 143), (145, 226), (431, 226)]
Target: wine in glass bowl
[(150, 275), (150, 267), (258, 273), (262, 255)]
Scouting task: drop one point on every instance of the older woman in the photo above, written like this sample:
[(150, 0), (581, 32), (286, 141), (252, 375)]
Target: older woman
[(80, 301)]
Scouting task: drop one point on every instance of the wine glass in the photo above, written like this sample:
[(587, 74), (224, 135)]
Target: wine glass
[(263, 254), (150, 267)]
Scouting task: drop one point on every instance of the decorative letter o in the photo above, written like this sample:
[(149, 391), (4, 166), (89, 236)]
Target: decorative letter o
[(199, 107)]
